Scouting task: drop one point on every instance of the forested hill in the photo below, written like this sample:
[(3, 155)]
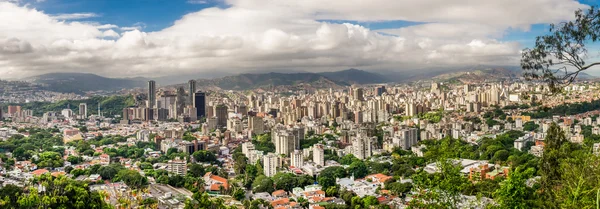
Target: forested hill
[(110, 105)]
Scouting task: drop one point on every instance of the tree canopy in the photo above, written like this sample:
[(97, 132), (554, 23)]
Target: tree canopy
[(560, 56)]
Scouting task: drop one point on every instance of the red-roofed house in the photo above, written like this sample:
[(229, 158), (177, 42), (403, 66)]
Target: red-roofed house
[(280, 202), (279, 194), (58, 173), (378, 178), (39, 172), (214, 182), (104, 159)]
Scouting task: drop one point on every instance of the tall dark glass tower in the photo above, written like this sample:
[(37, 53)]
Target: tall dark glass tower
[(192, 91), (151, 94), (200, 104)]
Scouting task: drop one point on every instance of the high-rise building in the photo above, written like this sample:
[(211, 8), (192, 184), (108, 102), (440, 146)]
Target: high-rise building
[(180, 101), (162, 114), (361, 147), (221, 113), (191, 91), (82, 111), (467, 88), (434, 86), (200, 104), (406, 138), (297, 160), (148, 114), (357, 94), (12, 109), (151, 94), (380, 90), (1, 113), (318, 154), (67, 113), (285, 142), (410, 109), (256, 124), (270, 164)]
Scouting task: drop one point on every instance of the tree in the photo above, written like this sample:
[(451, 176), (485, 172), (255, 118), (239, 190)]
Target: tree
[(145, 165), (369, 201), (285, 181), (328, 175), (202, 200), (579, 183), (196, 170), (50, 159), (500, 156), (348, 159), (74, 159), (332, 191), (530, 126), (358, 169), (559, 57), (441, 189), (110, 171), (303, 202), (10, 194), (61, 192), (514, 193), (239, 194), (204, 156), (172, 150), (263, 184), (131, 178), (550, 161)]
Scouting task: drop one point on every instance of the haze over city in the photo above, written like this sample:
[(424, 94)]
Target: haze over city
[(223, 37)]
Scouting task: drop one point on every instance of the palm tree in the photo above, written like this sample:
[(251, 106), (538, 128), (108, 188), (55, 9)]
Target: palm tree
[(302, 202)]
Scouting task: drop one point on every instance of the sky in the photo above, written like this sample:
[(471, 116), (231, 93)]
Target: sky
[(150, 38)]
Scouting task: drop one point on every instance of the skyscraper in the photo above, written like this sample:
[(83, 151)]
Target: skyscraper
[(221, 113), (256, 124), (151, 94), (357, 94), (82, 111), (191, 91), (380, 90), (200, 104), (361, 147)]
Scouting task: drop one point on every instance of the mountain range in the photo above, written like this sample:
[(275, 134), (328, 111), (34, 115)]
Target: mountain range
[(82, 82), (85, 82)]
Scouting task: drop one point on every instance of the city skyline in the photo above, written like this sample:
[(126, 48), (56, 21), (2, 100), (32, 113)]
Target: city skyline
[(137, 38)]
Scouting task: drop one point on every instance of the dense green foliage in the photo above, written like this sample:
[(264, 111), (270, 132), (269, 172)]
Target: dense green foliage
[(433, 117), (263, 143), (201, 200), (110, 105), (530, 126), (565, 109), (59, 192)]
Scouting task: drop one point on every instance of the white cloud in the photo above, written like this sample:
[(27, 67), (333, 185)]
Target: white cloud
[(106, 26), (110, 33), (276, 35), (136, 26), (197, 1), (74, 16)]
